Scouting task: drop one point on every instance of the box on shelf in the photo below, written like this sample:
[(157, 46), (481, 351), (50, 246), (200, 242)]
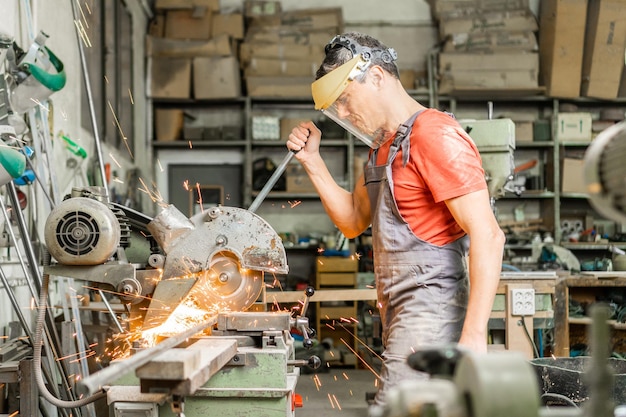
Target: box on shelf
[(297, 179), (228, 23), (492, 42), (573, 127), (265, 127), (561, 42), (287, 87), (170, 77), (278, 67), (211, 5), (216, 77), (168, 124), (314, 19), (572, 177), (164, 47), (188, 24), (446, 9), (156, 26), (603, 58), (511, 21), (523, 131)]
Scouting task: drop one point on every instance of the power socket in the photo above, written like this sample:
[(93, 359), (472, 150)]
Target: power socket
[(523, 302)]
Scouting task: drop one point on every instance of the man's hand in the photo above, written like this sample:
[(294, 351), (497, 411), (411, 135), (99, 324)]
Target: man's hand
[(305, 140)]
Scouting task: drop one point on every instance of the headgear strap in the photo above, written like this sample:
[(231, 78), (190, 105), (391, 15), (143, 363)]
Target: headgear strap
[(387, 55)]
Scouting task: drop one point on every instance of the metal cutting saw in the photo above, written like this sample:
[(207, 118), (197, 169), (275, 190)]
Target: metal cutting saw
[(217, 260), (217, 257)]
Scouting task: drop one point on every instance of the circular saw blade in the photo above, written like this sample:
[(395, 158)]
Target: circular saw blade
[(225, 286)]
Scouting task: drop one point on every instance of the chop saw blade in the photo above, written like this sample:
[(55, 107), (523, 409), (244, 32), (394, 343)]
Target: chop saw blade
[(226, 286)]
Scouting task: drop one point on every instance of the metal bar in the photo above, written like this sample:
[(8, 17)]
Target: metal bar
[(92, 110), (271, 182), (111, 312), (16, 306), (116, 370)]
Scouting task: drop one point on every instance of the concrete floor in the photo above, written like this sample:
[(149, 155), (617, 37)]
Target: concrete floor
[(340, 392)]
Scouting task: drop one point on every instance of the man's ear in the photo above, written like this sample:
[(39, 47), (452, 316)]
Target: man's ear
[(377, 75)]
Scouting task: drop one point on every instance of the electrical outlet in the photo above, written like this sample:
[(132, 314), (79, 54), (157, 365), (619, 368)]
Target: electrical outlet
[(523, 302)]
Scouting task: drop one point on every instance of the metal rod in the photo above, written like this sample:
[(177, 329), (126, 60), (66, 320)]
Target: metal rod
[(29, 282), (111, 312), (271, 182), (116, 370), (16, 306), (92, 111)]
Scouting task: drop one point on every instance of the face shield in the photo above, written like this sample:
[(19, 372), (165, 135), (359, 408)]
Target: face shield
[(327, 89)]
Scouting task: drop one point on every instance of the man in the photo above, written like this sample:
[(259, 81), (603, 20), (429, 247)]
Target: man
[(425, 196)]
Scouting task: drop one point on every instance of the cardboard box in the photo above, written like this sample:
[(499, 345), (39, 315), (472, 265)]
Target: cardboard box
[(572, 176), (514, 70), (292, 87), (458, 81), (297, 180), (513, 21), (501, 61), (230, 24), (288, 35), (168, 124), (447, 9), (156, 27), (216, 77), (188, 24), (277, 67), (211, 5), (561, 42), (492, 42), (523, 131), (605, 39), (177, 48), (314, 19), (408, 77), (573, 127), (170, 77), (247, 51)]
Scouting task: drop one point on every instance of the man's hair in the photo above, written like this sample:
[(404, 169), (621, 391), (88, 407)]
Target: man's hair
[(338, 54)]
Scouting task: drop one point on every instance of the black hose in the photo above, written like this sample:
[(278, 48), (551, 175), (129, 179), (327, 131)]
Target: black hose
[(38, 343)]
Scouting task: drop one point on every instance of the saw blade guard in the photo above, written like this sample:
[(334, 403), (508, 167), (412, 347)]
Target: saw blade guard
[(225, 249)]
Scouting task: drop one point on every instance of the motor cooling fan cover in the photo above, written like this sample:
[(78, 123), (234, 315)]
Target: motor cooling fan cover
[(82, 231)]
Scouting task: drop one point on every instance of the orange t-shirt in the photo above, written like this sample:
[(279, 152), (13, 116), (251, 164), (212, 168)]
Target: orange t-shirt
[(444, 163)]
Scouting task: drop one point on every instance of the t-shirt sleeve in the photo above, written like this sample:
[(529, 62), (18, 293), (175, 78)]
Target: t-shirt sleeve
[(448, 160)]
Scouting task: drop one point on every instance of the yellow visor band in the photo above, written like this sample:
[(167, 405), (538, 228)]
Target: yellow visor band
[(328, 88)]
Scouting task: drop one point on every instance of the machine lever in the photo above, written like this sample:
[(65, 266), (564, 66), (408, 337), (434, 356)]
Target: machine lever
[(302, 322), (314, 362), (271, 182)]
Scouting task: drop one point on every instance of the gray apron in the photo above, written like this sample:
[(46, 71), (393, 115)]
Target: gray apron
[(422, 288)]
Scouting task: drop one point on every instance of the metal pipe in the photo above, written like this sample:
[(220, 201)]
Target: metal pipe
[(7, 219), (16, 306), (116, 370), (92, 111), (111, 312), (271, 182)]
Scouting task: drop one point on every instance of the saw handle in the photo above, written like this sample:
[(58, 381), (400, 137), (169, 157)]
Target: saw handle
[(271, 181)]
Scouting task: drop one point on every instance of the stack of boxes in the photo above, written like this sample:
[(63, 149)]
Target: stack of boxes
[(582, 47), (283, 49), (192, 50), (487, 45)]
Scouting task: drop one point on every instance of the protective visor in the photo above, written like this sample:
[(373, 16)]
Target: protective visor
[(328, 88)]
